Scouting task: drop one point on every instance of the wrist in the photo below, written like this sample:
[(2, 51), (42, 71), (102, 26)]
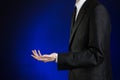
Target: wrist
[(56, 58), (55, 55)]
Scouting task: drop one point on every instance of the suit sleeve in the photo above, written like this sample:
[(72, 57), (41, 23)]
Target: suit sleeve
[(93, 55)]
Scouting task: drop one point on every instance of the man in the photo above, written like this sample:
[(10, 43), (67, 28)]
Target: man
[(89, 48)]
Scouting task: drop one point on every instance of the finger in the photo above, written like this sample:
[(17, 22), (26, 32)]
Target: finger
[(40, 58), (35, 53), (39, 52), (49, 57), (34, 57), (45, 55)]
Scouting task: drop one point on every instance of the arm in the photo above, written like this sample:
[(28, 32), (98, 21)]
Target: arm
[(99, 29)]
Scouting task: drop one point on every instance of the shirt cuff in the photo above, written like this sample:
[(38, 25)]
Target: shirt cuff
[(56, 59)]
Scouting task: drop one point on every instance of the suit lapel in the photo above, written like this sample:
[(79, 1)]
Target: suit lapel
[(73, 19), (86, 8), (75, 24)]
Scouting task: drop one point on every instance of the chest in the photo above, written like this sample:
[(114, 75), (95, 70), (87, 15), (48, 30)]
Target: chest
[(80, 36)]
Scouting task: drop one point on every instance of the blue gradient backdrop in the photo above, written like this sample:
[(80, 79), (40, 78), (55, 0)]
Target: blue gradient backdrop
[(44, 25)]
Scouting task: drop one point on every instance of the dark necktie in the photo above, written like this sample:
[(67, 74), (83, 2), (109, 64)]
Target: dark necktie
[(74, 18)]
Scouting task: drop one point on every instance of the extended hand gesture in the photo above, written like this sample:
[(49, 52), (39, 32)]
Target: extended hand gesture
[(45, 58)]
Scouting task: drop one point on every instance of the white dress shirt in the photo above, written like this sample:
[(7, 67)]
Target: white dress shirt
[(78, 5)]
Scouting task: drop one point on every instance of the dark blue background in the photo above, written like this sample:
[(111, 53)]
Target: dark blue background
[(45, 25)]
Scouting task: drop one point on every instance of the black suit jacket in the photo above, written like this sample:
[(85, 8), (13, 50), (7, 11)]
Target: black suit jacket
[(89, 49)]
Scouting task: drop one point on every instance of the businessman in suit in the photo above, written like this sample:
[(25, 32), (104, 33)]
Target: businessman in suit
[(89, 47)]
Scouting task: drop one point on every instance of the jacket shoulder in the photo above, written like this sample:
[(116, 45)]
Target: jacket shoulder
[(100, 9)]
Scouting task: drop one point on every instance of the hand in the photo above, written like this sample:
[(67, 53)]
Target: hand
[(44, 58), (51, 57)]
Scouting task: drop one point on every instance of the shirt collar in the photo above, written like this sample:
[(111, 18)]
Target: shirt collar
[(79, 4)]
